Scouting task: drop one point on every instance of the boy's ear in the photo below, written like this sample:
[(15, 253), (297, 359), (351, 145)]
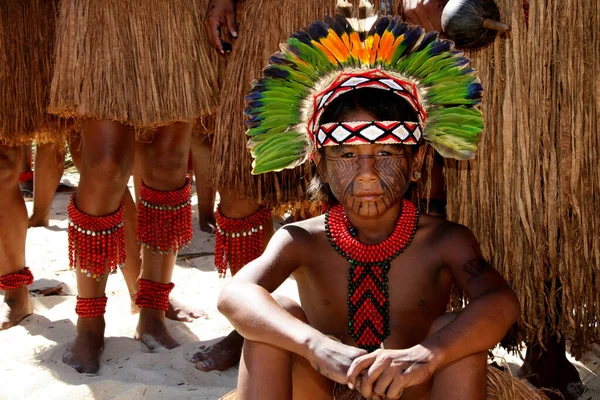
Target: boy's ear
[(417, 162), (320, 164)]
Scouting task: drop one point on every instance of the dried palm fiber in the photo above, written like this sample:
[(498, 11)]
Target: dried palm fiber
[(500, 386), (532, 194), (139, 62), (26, 47), (263, 25)]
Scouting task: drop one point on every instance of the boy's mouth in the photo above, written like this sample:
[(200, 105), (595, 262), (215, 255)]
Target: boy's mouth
[(368, 196)]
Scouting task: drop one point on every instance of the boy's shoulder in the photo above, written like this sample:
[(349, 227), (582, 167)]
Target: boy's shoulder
[(442, 232), (305, 230)]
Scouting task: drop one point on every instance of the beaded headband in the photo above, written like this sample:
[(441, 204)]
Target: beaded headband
[(328, 58)]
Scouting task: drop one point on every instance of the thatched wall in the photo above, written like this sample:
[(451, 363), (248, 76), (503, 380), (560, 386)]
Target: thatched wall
[(533, 195)]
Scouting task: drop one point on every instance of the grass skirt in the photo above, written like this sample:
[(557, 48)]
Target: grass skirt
[(26, 47), (139, 62)]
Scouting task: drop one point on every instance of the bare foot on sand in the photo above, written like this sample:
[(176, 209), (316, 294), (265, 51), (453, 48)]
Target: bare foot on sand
[(207, 222), (153, 332), (220, 356), (35, 221), (177, 311), (84, 354), (180, 312), (16, 306)]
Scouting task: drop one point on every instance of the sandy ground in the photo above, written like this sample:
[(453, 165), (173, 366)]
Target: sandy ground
[(31, 365)]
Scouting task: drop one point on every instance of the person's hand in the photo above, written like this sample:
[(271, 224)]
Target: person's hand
[(220, 13), (332, 358), (386, 373), (426, 13)]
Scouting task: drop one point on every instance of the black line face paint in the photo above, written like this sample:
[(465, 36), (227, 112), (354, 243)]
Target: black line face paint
[(368, 179)]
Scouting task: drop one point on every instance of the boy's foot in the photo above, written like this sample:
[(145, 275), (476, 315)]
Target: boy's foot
[(182, 313), (177, 311), (35, 221), (84, 354), (220, 356), (207, 223), (153, 332), (16, 306)]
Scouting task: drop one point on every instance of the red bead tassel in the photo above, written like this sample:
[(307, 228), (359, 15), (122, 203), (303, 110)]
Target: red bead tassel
[(16, 279), (243, 237), (153, 295), (165, 218), (88, 308), (25, 176), (95, 243)]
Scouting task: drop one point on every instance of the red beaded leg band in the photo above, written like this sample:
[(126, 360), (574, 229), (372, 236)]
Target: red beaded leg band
[(153, 295), (242, 237), (16, 279), (25, 176), (165, 218), (88, 308), (95, 243)]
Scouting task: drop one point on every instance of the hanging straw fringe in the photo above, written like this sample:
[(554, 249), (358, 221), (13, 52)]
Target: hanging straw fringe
[(532, 194), (259, 36), (26, 47), (140, 62)]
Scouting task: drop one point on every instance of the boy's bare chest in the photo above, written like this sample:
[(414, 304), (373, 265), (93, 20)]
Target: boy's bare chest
[(417, 285)]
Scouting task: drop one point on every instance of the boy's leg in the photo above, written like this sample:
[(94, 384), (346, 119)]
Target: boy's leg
[(201, 154), (13, 230), (106, 161), (267, 372), (464, 379), (163, 165), (49, 165)]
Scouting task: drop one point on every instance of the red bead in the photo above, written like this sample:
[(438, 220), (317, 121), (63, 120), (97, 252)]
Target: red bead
[(153, 295), (88, 308), (16, 279)]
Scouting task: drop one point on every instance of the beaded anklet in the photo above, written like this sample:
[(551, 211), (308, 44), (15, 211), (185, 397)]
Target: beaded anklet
[(88, 308), (165, 218), (153, 295), (242, 237), (94, 241), (16, 279)]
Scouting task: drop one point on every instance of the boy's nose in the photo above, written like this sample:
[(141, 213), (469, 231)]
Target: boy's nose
[(366, 172)]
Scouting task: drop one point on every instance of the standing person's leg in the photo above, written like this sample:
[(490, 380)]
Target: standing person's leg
[(26, 175), (49, 166), (164, 225), (13, 230), (96, 239), (201, 154)]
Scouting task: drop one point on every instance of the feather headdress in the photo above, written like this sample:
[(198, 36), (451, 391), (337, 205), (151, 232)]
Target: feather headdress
[(340, 54)]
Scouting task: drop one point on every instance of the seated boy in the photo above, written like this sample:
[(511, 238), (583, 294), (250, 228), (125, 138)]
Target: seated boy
[(374, 277)]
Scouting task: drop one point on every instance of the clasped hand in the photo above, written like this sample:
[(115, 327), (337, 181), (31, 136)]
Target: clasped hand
[(384, 374)]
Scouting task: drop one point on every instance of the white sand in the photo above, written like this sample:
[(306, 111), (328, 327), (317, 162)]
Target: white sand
[(31, 366)]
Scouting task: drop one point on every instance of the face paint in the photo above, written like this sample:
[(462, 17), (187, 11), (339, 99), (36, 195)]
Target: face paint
[(368, 179)]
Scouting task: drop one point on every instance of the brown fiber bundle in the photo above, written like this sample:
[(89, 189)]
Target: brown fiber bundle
[(140, 62), (532, 194), (263, 25), (26, 47)]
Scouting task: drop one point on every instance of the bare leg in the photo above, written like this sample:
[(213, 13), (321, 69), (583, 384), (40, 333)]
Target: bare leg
[(49, 165), (163, 166), (267, 372), (226, 353), (13, 230), (106, 162), (201, 151)]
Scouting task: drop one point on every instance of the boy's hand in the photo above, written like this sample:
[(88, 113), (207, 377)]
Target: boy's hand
[(332, 358), (426, 13), (220, 13), (386, 373)]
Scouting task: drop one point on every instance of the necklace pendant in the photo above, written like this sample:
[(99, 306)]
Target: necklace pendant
[(368, 304)]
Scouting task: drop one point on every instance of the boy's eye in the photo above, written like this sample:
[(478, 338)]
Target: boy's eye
[(384, 153), (347, 155)]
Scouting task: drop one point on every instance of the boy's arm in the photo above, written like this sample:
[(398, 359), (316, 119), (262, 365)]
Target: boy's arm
[(247, 303), (492, 310)]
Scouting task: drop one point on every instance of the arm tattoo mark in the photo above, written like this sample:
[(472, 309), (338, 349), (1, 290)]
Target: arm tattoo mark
[(476, 267)]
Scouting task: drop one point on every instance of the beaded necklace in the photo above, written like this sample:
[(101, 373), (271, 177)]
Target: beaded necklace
[(368, 297)]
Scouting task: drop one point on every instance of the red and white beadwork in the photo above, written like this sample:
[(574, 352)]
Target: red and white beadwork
[(368, 132)]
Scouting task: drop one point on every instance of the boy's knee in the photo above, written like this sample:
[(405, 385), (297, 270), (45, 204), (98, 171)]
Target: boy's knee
[(290, 306), (109, 169), (441, 322)]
